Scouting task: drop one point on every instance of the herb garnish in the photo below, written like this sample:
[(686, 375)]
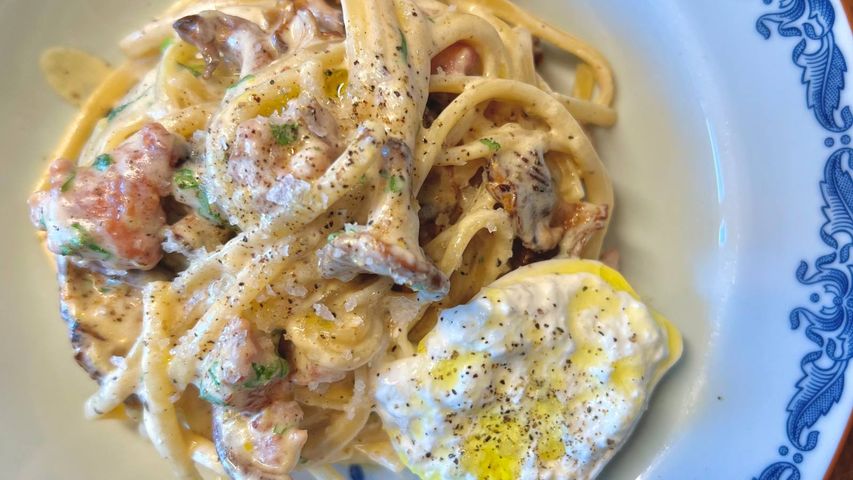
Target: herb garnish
[(244, 79), (404, 47), (185, 179), (115, 111), (102, 162), (396, 184), (264, 373), (166, 43), (193, 69), (212, 374), (82, 240), (209, 398), (66, 185), (204, 208), (284, 134), (493, 145)]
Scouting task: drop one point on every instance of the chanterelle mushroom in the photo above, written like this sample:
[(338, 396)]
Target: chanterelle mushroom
[(221, 37), (581, 221), (329, 18), (388, 244), (519, 179), (103, 313), (304, 22)]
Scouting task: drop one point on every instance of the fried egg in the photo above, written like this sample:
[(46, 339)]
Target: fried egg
[(544, 374)]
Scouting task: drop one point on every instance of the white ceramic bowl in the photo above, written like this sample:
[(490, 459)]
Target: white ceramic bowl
[(725, 156)]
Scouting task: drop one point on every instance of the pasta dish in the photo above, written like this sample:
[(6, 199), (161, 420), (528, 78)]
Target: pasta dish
[(293, 234)]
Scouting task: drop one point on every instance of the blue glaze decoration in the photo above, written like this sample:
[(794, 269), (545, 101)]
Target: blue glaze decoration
[(828, 325)]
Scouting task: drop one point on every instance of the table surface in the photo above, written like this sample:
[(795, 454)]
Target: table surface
[(844, 467)]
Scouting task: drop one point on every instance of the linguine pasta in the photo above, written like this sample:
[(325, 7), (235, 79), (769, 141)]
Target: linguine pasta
[(342, 174)]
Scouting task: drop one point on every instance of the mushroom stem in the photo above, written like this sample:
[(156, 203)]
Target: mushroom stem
[(388, 244)]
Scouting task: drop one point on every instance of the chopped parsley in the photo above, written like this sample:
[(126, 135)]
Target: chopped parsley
[(266, 373), (362, 179), (278, 430), (284, 134), (82, 240), (195, 70), (66, 185), (396, 184), (208, 387), (115, 111), (86, 240), (244, 79), (212, 374), (209, 398), (332, 236), (404, 47), (185, 179), (493, 145), (204, 208), (102, 162), (166, 43)]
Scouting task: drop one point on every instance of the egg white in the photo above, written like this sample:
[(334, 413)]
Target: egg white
[(544, 374)]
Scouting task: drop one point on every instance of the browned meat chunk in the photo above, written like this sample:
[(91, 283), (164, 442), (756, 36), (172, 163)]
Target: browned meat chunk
[(243, 369), (457, 59), (108, 215), (261, 445)]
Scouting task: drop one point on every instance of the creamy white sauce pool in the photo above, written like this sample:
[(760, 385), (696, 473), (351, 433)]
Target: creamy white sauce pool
[(543, 377)]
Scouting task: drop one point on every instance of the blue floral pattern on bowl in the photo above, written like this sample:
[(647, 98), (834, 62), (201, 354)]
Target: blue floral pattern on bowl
[(828, 321)]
